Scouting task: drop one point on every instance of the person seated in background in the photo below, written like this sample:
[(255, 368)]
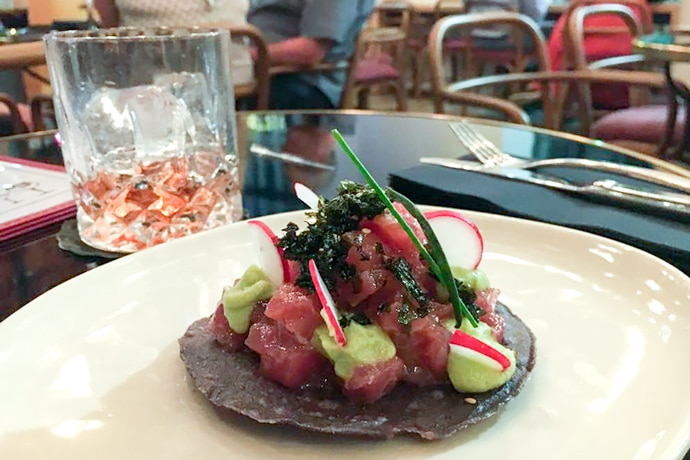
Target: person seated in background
[(182, 13), (535, 9), (498, 38), (303, 33)]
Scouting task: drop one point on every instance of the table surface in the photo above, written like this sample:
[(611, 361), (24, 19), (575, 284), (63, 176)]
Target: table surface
[(33, 263), (664, 46)]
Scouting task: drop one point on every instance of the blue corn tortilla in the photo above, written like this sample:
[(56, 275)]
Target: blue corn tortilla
[(232, 384)]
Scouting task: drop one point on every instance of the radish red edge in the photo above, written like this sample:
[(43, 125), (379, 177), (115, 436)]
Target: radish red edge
[(465, 340), (454, 249), (328, 311), (274, 240)]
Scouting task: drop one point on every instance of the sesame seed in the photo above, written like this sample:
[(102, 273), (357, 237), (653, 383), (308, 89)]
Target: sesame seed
[(470, 401)]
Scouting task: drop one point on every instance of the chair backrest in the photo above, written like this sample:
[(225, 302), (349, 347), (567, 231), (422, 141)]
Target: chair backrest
[(260, 86), (350, 79), (394, 13), (18, 125), (444, 8), (640, 6), (574, 33), (515, 21), (573, 41), (21, 57)]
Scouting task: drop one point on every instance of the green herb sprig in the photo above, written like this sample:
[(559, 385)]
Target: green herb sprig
[(446, 277), (438, 263)]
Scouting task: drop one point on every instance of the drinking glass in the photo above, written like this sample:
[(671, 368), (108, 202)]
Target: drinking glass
[(147, 122)]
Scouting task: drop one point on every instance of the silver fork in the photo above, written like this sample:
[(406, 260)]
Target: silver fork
[(482, 148), (491, 156)]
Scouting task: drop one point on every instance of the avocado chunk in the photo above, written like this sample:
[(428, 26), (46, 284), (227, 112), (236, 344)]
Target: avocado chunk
[(239, 300), (475, 279), (472, 374), (365, 345)]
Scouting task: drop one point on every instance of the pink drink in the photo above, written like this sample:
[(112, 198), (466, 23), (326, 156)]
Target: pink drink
[(156, 202)]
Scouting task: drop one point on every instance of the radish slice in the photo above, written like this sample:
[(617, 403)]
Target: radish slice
[(329, 313), (271, 257), (307, 195), (471, 347), (460, 238)]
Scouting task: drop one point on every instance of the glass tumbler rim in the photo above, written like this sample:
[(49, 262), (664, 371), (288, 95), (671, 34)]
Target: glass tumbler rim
[(136, 34)]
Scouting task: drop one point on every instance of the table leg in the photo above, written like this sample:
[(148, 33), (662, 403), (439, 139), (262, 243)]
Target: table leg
[(676, 91)]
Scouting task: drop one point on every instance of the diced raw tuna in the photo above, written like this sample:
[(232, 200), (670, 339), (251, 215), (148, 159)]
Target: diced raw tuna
[(393, 235), (366, 249), (296, 309), (422, 345), (362, 286), (429, 346), (371, 382), (283, 358), (496, 322), (486, 300), (228, 339)]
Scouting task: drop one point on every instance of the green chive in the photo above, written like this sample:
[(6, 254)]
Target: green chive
[(439, 263), (386, 201), (447, 279)]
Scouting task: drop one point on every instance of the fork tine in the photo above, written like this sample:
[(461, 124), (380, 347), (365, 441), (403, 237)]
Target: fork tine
[(466, 138), (486, 143), (498, 157), (484, 150)]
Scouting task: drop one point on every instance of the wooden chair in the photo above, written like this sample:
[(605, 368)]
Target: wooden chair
[(641, 7), (418, 33), (573, 41), (647, 128), (22, 57), (393, 13), (252, 37), (518, 25), (379, 62), (43, 112), (15, 117), (564, 31), (464, 92)]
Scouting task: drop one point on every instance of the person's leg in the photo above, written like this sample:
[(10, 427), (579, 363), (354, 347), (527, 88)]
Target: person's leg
[(289, 92)]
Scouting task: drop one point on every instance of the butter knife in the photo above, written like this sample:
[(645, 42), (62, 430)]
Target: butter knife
[(606, 189), (286, 157)]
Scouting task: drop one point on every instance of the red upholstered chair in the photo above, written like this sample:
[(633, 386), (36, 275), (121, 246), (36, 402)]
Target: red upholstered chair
[(641, 128), (600, 36), (651, 129)]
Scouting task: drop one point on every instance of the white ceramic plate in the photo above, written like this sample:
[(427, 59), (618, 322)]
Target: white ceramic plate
[(91, 368)]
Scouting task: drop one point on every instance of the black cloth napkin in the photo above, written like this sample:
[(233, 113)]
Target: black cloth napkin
[(666, 235)]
